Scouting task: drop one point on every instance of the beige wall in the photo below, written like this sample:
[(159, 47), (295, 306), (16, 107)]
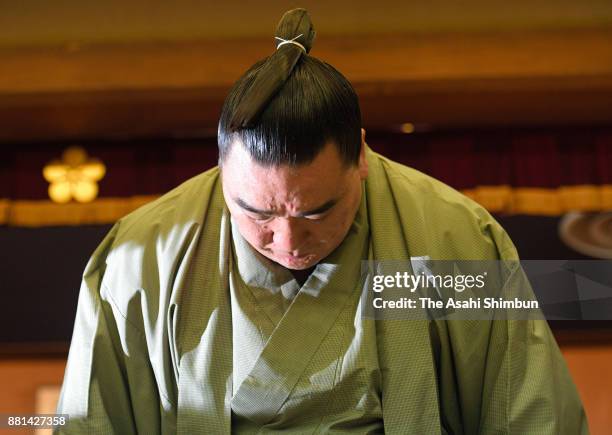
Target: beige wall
[(591, 368)]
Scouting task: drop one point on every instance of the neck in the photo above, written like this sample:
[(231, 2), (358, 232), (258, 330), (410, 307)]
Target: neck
[(302, 275)]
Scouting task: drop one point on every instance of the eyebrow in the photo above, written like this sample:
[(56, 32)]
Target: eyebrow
[(329, 204)]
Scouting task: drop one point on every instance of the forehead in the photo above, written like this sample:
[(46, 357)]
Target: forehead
[(251, 181)]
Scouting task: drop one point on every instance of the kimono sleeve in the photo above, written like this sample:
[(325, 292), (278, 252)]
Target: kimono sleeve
[(527, 387), (108, 386)]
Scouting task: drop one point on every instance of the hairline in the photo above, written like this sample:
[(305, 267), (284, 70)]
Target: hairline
[(346, 164)]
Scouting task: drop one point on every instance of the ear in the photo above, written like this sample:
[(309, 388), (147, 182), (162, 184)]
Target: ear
[(363, 162)]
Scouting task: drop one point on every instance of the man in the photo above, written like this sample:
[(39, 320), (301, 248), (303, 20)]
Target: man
[(232, 303)]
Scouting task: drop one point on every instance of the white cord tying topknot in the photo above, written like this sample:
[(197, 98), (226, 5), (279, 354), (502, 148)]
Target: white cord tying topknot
[(290, 41)]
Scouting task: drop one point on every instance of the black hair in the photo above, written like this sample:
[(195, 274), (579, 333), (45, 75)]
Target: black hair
[(288, 106)]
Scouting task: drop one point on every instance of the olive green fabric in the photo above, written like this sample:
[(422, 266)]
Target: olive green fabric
[(311, 367), (175, 332)]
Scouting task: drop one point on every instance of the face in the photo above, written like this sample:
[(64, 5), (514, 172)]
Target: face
[(295, 216)]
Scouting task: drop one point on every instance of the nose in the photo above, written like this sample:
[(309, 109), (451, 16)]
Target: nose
[(289, 235)]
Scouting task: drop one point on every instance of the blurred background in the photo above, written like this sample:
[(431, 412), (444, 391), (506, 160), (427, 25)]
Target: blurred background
[(106, 105)]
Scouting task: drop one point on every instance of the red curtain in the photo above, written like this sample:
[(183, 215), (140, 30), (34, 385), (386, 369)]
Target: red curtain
[(463, 159)]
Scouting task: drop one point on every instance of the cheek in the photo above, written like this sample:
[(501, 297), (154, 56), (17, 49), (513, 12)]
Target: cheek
[(343, 220), (255, 234), (333, 230)]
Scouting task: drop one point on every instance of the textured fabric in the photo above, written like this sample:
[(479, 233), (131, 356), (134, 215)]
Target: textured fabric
[(153, 346), (312, 368)]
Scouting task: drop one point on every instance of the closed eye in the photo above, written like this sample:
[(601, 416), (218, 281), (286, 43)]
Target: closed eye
[(320, 212), (262, 215), (260, 218), (317, 217)]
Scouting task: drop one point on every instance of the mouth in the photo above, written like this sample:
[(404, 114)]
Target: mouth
[(297, 258), (289, 259)]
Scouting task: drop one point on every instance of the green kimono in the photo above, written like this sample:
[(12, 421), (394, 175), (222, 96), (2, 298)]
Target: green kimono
[(183, 328)]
